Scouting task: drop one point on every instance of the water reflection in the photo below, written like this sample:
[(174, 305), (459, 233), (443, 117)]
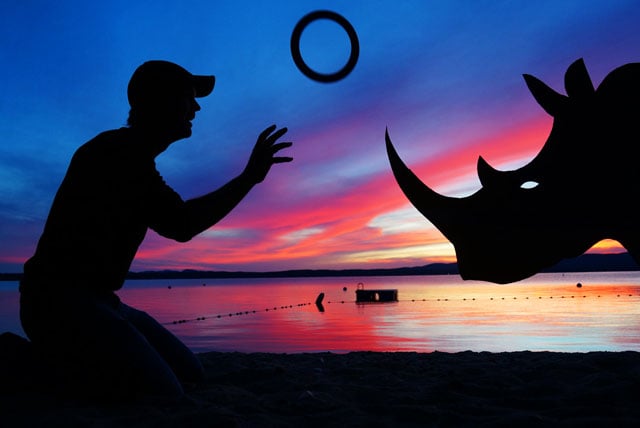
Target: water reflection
[(547, 312)]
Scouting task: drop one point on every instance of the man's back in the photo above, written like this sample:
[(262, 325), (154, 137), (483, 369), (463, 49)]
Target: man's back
[(100, 215)]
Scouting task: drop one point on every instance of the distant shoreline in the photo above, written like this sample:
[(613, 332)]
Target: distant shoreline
[(584, 263)]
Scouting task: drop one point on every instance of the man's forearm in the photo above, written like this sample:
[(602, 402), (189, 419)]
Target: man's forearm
[(205, 211)]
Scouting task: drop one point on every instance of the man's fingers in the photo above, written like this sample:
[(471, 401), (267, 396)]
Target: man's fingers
[(279, 146), (264, 134), (282, 159), (273, 137)]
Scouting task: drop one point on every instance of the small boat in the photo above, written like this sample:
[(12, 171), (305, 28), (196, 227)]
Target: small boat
[(375, 296)]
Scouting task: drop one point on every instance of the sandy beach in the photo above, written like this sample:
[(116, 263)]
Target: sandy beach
[(370, 389)]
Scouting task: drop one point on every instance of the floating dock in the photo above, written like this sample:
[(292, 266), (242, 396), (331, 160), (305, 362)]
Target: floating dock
[(378, 295)]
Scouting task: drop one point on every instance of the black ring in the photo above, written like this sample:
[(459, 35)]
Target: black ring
[(295, 46)]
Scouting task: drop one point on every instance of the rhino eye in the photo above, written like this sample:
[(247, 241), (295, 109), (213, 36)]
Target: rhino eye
[(529, 185)]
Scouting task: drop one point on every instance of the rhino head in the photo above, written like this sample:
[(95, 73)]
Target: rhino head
[(582, 187)]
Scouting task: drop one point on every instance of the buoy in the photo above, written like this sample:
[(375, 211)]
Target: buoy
[(319, 302)]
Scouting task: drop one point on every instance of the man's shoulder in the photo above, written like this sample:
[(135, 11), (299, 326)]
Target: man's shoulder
[(112, 136), (111, 141)]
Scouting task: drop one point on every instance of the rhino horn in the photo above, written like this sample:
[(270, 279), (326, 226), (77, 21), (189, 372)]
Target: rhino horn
[(487, 174), (437, 208)]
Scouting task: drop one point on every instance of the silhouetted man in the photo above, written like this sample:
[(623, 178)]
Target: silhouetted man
[(111, 194)]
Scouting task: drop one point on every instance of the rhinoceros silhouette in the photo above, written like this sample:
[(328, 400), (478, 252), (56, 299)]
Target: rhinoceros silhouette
[(586, 189)]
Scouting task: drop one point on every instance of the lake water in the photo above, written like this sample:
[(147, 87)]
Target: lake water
[(547, 312)]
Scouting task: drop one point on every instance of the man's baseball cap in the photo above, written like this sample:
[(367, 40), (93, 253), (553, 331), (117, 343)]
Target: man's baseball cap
[(156, 78)]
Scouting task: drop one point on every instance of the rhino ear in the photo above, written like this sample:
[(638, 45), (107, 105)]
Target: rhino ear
[(577, 81), (551, 101)]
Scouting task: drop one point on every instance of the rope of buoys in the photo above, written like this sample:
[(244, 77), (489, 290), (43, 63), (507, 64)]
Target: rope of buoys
[(463, 299), (232, 314), (319, 301)]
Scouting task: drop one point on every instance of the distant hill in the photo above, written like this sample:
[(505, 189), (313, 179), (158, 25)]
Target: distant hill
[(432, 269), (596, 263), (583, 263)]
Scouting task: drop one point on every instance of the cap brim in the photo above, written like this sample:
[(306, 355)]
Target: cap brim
[(203, 85)]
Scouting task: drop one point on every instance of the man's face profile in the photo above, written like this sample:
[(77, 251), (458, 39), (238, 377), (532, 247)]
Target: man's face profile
[(183, 111), (174, 112)]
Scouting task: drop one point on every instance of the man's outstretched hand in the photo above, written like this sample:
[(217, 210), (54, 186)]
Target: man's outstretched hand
[(264, 154)]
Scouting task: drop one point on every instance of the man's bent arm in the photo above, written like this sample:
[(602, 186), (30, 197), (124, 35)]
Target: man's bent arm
[(205, 211)]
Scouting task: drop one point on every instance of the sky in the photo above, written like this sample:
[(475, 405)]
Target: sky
[(444, 77)]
